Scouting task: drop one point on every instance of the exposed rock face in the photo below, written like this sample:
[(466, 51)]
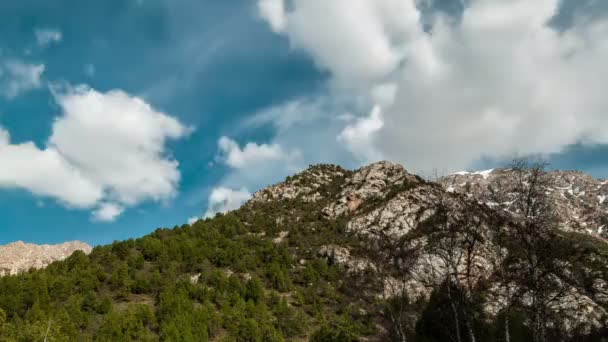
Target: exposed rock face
[(581, 201), (398, 216), (374, 181), (18, 256), (391, 203), (306, 184), (341, 256)]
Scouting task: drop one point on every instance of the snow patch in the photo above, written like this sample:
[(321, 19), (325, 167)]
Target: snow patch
[(485, 173), (601, 198)]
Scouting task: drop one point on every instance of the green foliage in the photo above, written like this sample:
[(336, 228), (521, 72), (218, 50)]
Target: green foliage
[(135, 323), (342, 330), (247, 288)]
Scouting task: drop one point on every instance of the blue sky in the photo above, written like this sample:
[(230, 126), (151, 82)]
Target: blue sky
[(118, 117)]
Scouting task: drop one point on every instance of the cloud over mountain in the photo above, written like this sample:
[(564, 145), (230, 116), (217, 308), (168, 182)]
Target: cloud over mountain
[(499, 80)]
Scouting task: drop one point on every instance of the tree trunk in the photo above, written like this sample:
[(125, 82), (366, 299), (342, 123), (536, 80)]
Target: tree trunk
[(538, 326), (455, 312), (470, 330), (507, 331)]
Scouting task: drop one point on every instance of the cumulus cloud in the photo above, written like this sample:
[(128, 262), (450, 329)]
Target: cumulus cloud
[(46, 173), (17, 77), (250, 154), (358, 136), (223, 199), (118, 141), (295, 123), (107, 212), (253, 165), (106, 151), (273, 11), (357, 40), (500, 80), (47, 36)]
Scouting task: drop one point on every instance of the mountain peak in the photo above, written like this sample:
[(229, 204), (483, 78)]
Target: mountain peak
[(19, 256)]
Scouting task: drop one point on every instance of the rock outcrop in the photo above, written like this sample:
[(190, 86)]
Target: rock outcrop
[(373, 182), (307, 185), (19, 257)]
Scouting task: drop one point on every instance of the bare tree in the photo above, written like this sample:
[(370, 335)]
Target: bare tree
[(456, 237), (392, 259), (506, 292), (533, 260)]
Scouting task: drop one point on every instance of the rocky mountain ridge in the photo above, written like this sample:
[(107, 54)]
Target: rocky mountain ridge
[(580, 199), (19, 257)]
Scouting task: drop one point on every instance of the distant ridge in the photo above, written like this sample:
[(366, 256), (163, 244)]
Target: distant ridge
[(19, 256)]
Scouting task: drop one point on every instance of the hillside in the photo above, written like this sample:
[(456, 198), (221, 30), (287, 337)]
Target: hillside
[(331, 254)]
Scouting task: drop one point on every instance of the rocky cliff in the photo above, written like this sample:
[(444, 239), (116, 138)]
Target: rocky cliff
[(19, 256)]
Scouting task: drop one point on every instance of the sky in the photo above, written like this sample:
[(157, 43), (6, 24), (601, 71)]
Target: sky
[(118, 117)]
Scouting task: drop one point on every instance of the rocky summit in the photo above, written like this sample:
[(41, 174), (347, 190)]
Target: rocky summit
[(19, 256)]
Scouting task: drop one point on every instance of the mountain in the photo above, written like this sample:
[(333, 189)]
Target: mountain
[(579, 198), (19, 256), (374, 254)]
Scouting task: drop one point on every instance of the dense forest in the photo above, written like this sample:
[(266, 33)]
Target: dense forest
[(234, 277)]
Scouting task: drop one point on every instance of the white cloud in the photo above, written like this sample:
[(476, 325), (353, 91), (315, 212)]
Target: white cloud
[(223, 199), (107, 212), (500, 81), (17, 77), (192, 220), (358, 136), (357, 40), (250, 154), (253, 165), (47, 36), (384, 94), (273, 11), (118, 141), (106, 151), (45, 173), (303, 132)]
